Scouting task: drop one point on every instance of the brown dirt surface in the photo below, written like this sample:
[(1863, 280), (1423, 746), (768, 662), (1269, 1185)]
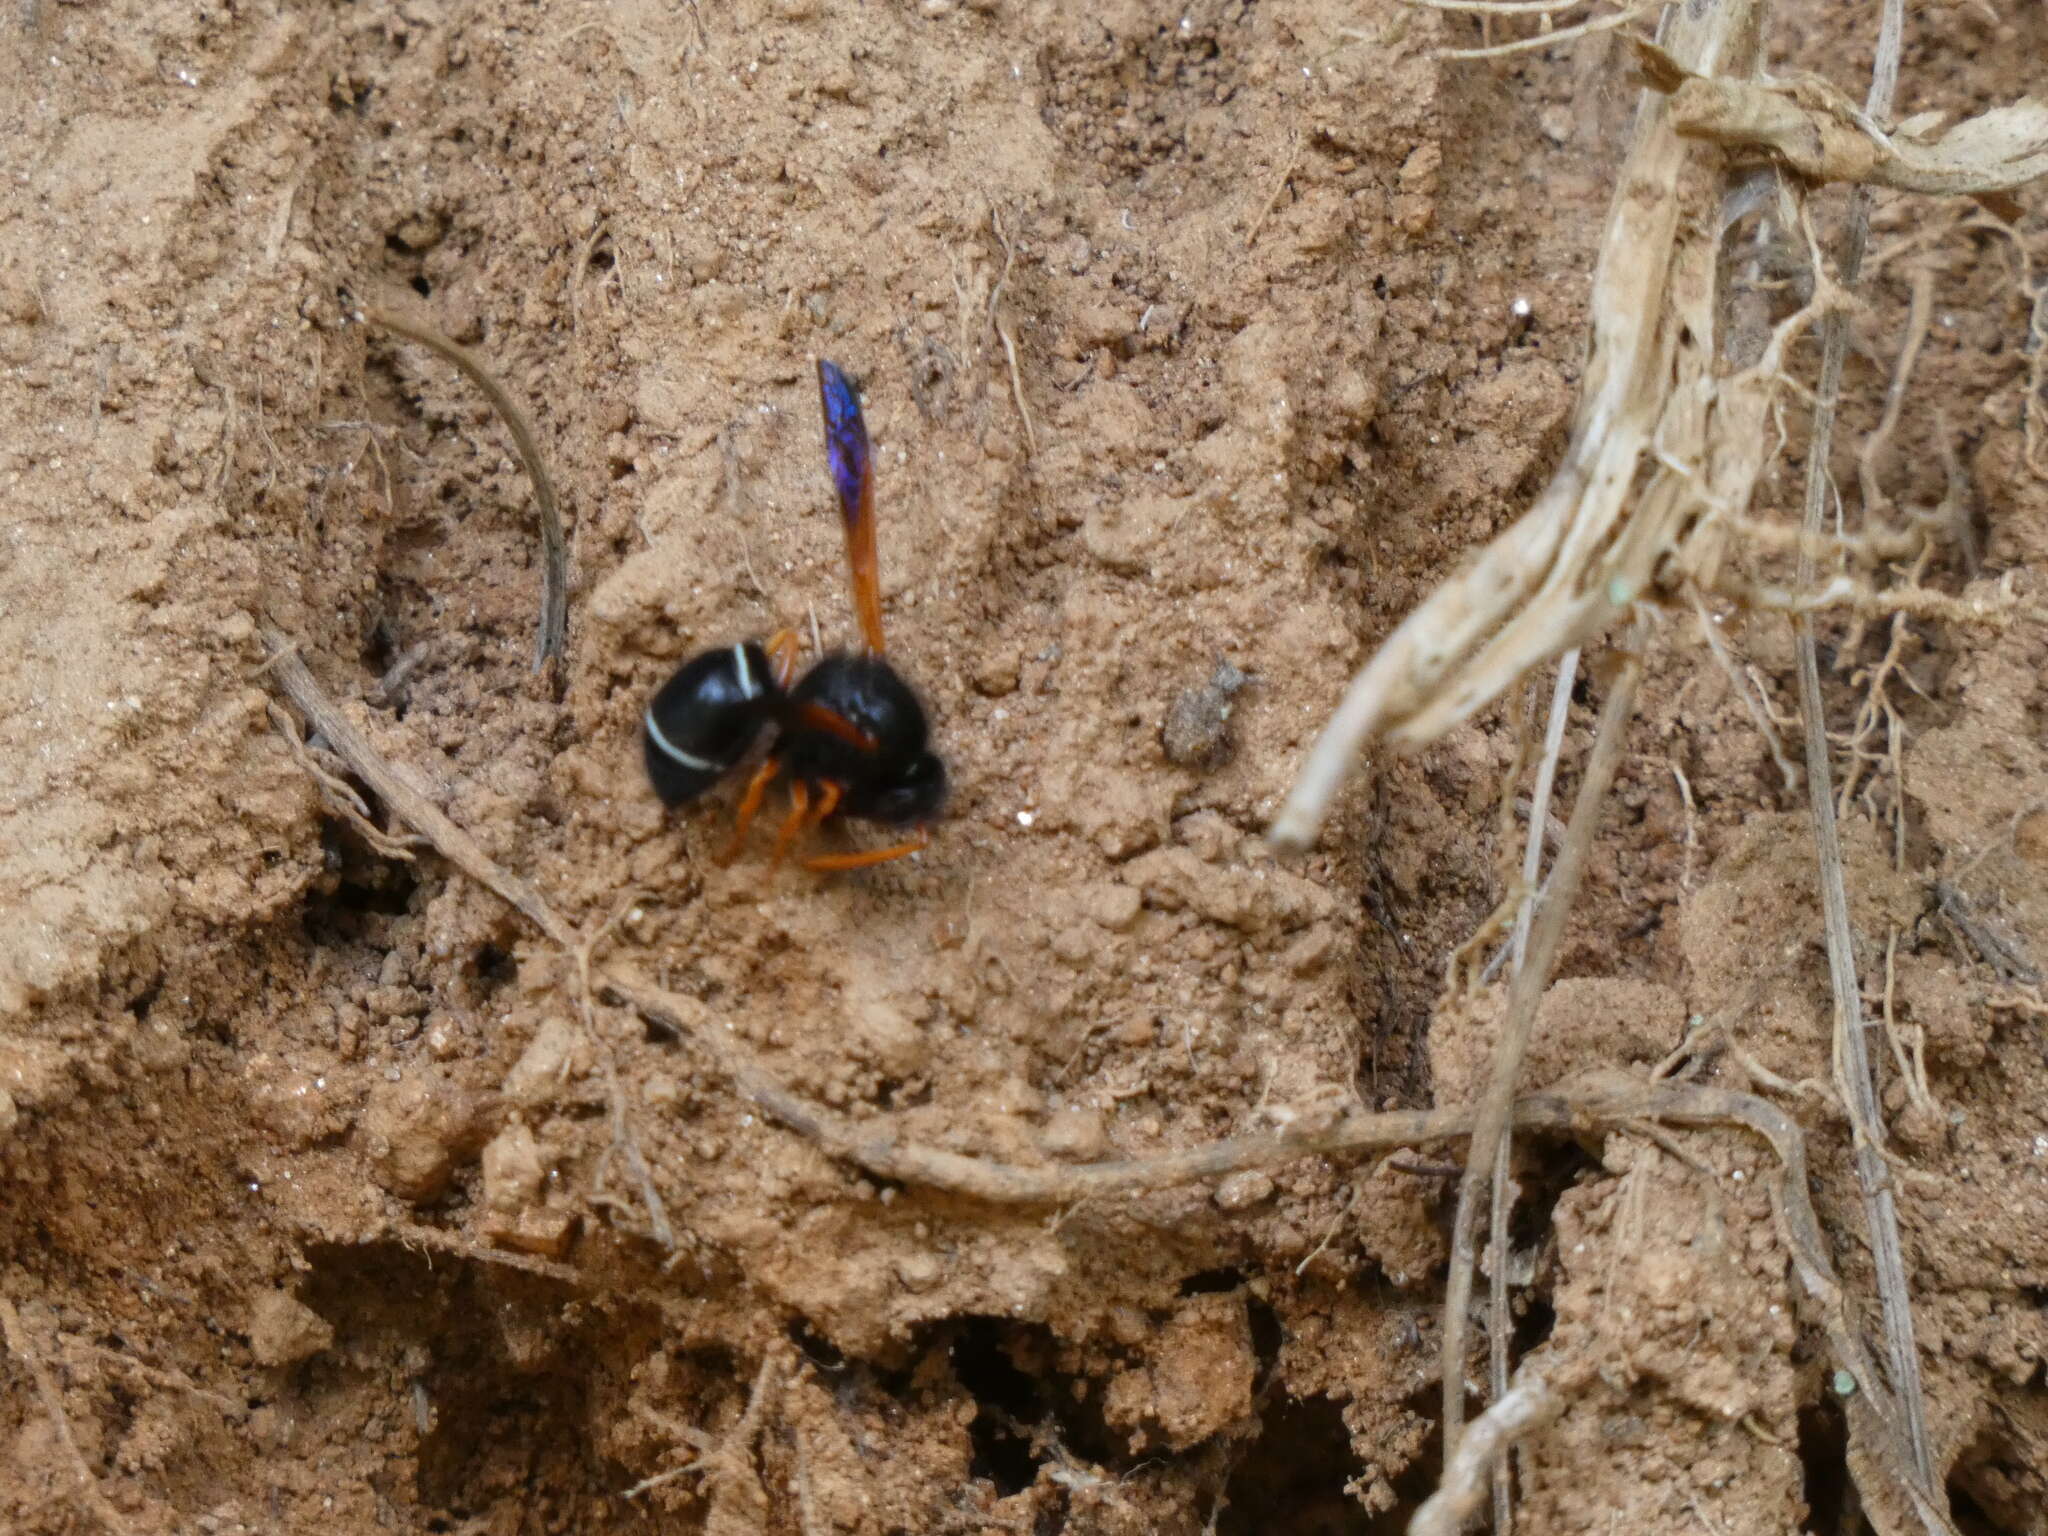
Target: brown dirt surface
[(322, 1203)]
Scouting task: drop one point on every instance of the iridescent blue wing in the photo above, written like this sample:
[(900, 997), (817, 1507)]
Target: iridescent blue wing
[(853, 475)]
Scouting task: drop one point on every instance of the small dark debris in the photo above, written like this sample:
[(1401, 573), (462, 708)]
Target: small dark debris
[(1196, 733)]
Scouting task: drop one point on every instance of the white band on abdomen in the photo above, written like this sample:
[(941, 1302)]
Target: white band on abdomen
[(670, 749)]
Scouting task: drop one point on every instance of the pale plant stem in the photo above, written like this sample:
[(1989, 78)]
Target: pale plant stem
[(1880, 1205), (1503, 1192), (1524, 992)]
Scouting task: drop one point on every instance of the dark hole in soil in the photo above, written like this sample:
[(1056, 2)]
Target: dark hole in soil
[(821, 1352), (379, 649), (1823, 1454), (1970, 1517), (145, 1000), (1267, 1336), (1292, 1477), (1009, 1370), (1533, 1326), (1010, 1402), (367, 888), (494, 966), (1212, 1282), (1991, 1491)]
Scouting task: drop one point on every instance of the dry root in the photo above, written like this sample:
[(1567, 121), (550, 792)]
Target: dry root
[(1652, 497), (1527, 1406), (1812, 128), (553, 640)]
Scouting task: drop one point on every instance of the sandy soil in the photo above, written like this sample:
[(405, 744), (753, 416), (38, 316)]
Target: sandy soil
[(318, 1200)]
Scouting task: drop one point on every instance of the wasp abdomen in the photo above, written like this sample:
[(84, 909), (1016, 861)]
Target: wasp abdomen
[(703, 720)]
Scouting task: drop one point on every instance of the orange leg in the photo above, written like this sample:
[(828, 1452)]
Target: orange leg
[(792, 824), (825, 863), (828, 801), (782, 648), (805, 815), (750, 803)]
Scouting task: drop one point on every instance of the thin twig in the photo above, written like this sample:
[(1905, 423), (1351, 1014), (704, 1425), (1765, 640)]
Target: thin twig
[(1911, 1062), (413, 1234), (553, 642), (403, 801), (581, 264), (1752, 702), (1002, 329), (1539, 800), (1502, 1204), (1497, 7), (808, 1521), (1919, 317), (2008, 962), (730, 1454), (337, 795), (1605, 23), (89, 1491), (624, 1142), (1499, 1209), (1273, 201), (1524, 992)]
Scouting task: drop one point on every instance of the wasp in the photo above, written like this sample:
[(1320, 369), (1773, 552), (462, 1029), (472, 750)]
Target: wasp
[(850, 734)]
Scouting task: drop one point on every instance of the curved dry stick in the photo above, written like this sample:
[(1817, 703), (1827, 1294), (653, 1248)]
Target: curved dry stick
[(553, 642), (1533, 892), (1517, 1413), (876, 1149), (1606, 23), (1816, 131), (405, 802)]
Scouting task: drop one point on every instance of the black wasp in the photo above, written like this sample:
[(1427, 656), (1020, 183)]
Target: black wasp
[(850, 734)]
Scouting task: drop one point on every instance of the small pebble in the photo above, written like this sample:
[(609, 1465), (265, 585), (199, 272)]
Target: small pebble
[(1076, 1135), (513, 1170), (544, 1233), (918, 1271), (544, 1064), (1196, 732), (284, 1330), (1243, 1190)]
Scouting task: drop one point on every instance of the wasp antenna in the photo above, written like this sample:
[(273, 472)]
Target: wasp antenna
[(853, 476)]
